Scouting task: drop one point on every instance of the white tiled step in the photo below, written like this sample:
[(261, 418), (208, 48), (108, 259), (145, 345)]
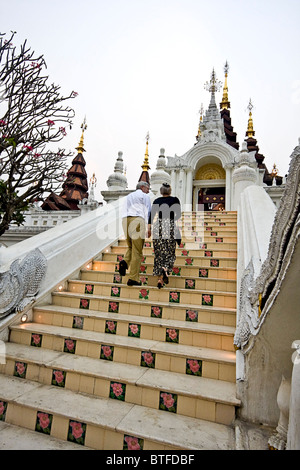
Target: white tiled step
[(204, 334), (18, 438), (216, 364), (108, 420)]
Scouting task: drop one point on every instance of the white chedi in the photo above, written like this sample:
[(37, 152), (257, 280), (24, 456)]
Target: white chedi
[(117, 180), (159, 176)]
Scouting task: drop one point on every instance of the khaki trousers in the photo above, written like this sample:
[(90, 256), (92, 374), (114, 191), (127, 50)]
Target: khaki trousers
[(134, 230)]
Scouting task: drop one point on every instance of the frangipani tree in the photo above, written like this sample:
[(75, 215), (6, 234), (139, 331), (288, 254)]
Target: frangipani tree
[(33, 115)]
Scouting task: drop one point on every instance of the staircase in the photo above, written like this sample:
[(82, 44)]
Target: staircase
[(114, 367)]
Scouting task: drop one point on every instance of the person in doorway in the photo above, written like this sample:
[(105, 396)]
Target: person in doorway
[(135, 214), (163, 224)]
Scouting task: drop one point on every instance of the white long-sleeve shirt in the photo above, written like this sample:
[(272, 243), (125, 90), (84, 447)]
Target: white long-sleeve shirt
[(137, 204)]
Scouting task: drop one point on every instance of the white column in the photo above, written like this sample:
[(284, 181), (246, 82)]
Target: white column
[(228, 190), (189, 190)]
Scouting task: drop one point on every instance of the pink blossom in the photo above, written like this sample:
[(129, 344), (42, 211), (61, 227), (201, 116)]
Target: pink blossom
[(207, 298), (134, 329), (69, 344), (172, 333), (63, 131), (144, 292), (74, 93), (89, 287), (44, 420), (2, 122), (191, 314), (106, 351), (115, 290), (20, 368), (132, 443), (194, 365), (174, 295), (148, 357), (36, 339), (190, 282), (77, 429), (1, 408), (84, 303), (156, 310), (59, 376), (188, 260), (176, 270), (27, 147), (50, 123), (110, 325), (117, 389), (113, 306), (167, 399)]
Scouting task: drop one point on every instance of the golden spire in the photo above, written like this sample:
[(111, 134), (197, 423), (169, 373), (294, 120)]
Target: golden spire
[(201, 112), (250, 132), (145, 165), (225, 104), (80, 147)]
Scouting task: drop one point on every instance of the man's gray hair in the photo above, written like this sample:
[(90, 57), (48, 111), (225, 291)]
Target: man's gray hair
[(141, 184)]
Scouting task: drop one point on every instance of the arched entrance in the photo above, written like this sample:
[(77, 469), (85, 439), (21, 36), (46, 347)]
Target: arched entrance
[(209, 187)]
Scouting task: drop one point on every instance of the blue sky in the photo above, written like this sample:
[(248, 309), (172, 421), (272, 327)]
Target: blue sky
[(140, 66)]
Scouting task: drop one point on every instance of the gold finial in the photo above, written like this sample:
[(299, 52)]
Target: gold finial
[(93, 180), (250, 132), (80, 147), (201, 112), (225, 104), (274, 172), (145, 165)]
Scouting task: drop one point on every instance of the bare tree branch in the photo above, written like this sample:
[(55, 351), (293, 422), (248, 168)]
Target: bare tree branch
[(33, 114)]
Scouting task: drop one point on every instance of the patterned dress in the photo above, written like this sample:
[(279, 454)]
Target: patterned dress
[(163, 233)]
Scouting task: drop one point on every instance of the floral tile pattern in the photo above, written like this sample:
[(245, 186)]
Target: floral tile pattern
[(143, 269), (43, 422), (133, 443), (148, 359), (111, 327), (214, 263), (36, 340), (172, 335), (144, 280), (193, 367), (113, 307), (117, 279), (84, 303), (208, 254), (203, 272), (190, 283), (168, 402), (176, 271), (89, 289), (3, 408), (76, 432), (184, 253), (69, 346), (147, 244), (78, 322), (174, 297), (115, 291), (207, 300), (144, 294), (219, 240), (182, 245), (20, 369), (143, 260), (191, 315), (107, 352), (134, 330), (117, 391), (58, 378), (156, 311), (189, 261)]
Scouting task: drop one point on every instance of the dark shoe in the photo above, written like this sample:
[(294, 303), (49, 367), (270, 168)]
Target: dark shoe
[(160, 284), (165, 277), (122, 267), (131, 282)]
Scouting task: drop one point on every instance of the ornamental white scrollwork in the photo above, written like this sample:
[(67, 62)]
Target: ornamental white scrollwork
[(20, 284)]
